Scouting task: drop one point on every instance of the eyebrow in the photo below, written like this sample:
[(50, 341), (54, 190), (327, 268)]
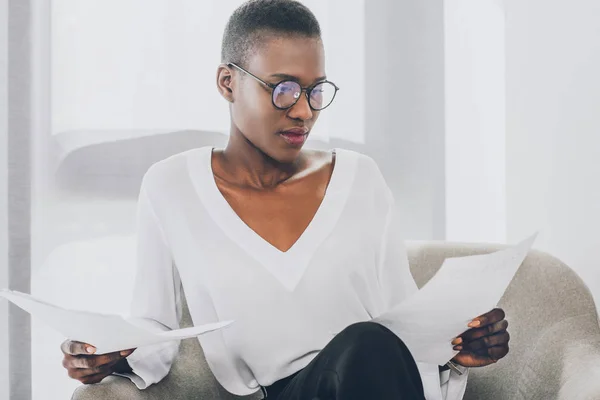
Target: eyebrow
[(294, 78)]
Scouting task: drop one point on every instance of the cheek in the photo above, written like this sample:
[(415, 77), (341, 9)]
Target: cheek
[(254, 113), (260, 109)]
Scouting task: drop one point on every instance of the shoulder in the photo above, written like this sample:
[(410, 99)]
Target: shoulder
[(368, 187), (163, 175), (366, 168), (368, 180)]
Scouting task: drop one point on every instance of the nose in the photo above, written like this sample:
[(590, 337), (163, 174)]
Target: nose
[(301, 110)]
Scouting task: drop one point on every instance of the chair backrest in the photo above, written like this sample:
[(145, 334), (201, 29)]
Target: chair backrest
[(544, 295)]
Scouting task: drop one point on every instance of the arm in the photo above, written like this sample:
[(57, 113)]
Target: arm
[(397, 284), (156, 301)]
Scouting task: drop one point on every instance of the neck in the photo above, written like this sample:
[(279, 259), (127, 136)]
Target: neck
[(247, 165)]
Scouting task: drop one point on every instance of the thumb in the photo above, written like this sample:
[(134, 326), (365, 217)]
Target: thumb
[(126, 353)]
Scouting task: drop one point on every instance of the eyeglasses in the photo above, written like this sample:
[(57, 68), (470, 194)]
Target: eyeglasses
[(287, 93)]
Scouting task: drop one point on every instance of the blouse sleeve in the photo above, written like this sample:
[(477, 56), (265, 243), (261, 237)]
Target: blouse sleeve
[(156, 302), (397, 284)]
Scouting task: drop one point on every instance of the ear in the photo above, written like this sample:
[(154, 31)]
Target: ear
[(225, 82)]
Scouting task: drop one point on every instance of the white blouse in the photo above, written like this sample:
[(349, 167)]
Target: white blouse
[(349, 265)]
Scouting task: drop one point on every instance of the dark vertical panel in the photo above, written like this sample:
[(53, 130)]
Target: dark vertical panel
[(19, 192)]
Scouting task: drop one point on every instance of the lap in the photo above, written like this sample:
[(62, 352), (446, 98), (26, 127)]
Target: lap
[(365, 360)]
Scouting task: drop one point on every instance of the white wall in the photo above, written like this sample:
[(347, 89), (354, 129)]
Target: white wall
[(116, 68), (4, 378), (553, 129), (405, 109), (435, 122), (475, 120)]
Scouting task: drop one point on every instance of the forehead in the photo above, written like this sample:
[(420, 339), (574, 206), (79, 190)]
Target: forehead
[(303, 57)]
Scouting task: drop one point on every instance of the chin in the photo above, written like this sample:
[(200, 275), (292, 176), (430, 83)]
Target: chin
[(279, 150), (286, 155)]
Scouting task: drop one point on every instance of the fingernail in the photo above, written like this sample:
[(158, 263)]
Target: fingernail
[(124, 353), (90, 349), (474, 324), (457, 348), (458, 340)]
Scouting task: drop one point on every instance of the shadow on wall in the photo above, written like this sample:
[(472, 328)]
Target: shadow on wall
[(114, 169)]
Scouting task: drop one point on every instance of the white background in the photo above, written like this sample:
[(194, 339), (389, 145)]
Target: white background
[(553, 129), (140, 65)]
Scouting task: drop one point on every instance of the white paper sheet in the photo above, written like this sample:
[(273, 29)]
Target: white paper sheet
[(463, 289), (107, 333)]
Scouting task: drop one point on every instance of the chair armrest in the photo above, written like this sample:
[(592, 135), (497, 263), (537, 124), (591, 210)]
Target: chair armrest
[(553, 323), (580, 379), (583, 381), (112, 387), (564, 361)]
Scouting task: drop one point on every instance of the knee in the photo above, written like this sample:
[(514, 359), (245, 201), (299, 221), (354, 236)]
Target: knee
[(374, 338), (364, 328), (373, 353), (370, 333)]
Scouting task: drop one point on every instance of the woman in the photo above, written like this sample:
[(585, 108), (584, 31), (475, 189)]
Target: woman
[(297, 246)]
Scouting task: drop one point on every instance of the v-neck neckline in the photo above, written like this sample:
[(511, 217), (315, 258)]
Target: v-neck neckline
[(287, 266)]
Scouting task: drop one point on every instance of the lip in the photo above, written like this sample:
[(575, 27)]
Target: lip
[(295, 136), (296, 131)]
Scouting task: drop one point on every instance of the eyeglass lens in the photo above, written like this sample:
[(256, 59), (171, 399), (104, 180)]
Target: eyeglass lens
[(287, 93)]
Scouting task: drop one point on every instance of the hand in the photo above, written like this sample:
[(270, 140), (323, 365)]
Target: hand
[(485, 343), (87, 368)]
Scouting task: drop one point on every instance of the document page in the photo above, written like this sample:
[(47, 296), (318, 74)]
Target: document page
[(463, 289), (108, 333)]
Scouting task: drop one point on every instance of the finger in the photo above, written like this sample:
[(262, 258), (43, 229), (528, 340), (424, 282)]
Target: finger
[(499, 339), (82, 373), (78, 373), (476, 333), (498, 352), (126, 353), (67, 361), (473, 360), (93, 361), (96, 378), (76, 348), (497, 314)]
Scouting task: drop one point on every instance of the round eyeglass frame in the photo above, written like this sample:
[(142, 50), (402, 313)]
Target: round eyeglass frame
[(307, 91)]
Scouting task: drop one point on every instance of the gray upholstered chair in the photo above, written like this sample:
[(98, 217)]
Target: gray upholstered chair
[(555, 340)]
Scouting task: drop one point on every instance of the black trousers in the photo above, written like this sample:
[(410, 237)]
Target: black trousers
[(366, 361)]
